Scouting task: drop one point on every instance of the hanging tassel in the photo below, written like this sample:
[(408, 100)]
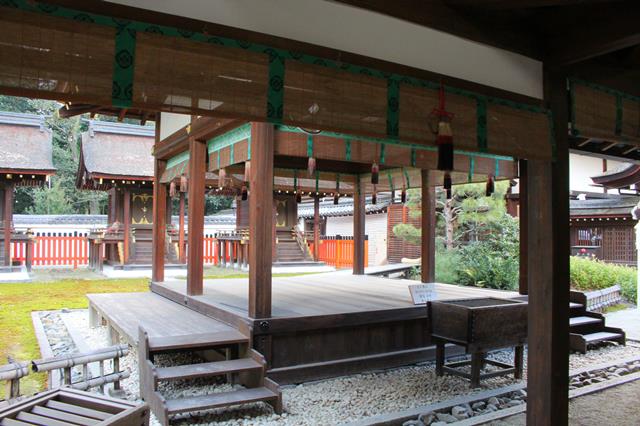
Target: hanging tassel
[(311, 166), (403, 196), (375, 173), (336, 198), (247, 171), (491, 186), (374, 196), (245, 193), (184, 187), (298, 197), (172, 189), (336, 195), (222, 177), (447, 185), (445, 146)]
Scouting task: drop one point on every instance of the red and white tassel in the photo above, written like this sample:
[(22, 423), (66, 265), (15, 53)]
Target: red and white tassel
[(222, 178), (244, 194), (375, 174), (298, 197), (491, 186), (374, 196), (172, 189), (447, 184), (184, 185), (311, 166), (445, 146), (336, 199), (403, 196), (247, 171)]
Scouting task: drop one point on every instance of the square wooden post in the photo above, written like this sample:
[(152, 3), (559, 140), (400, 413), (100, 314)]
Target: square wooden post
[(127, 223), (197, 165), (316, 228), (428, 236), (358, 229), (159, 221), (7, 219), (548, 256), (181, 253), (524, 227), (261, 220)]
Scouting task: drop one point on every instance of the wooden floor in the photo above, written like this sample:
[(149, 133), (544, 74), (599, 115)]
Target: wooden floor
[(125, 312), (326, 294)]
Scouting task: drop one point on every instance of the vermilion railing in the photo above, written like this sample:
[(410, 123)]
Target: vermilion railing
[(64, 249), (339, 252)]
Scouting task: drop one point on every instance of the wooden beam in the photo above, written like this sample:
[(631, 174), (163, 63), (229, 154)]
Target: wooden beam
[(359, 210), (181, 253), (7, 220), (548, 257), (428, 237), (316, 228), (261, 220), (519, 4), (585, 142), (159, 220), (197, 168), (126, 219), (609, 146), (523, 286)]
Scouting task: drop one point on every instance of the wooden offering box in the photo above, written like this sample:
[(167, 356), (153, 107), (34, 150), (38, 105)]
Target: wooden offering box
[(480, 325)]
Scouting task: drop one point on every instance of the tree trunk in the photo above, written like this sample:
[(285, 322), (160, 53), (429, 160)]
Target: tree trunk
[(449, 219)]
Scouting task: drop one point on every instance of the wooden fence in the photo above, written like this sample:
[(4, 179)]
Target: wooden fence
[(338, 251), (55, 249)]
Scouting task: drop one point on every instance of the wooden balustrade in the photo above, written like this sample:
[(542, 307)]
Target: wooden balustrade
[(338, 251)]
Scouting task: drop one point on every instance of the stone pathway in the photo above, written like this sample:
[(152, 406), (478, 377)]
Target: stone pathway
[(628, 320)]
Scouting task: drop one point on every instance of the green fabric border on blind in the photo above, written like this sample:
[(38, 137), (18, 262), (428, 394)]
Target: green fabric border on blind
[(481, 123), (347, 148), (123, 66), (472, 166), (382, 153), (275, 90), (393, 107), (309, 146)]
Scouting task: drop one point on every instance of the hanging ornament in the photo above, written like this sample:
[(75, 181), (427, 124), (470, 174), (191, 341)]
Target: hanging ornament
[(247, 171), (336, 195), (403, 195), (222, 177), (447, 184), (244, 193), (298, 197), (375, 173), (336, 199), (374, 196), (311, 166), (444, 138), (184, 187), (172, 189), (491, 186)]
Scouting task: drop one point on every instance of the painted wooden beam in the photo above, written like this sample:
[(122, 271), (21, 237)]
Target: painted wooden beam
[(181, 252), (428, 237), (523, 285), (261, 220), (159, 221), (316, 228), (126, 200), (197, 167), (7, 219), (358, 230)]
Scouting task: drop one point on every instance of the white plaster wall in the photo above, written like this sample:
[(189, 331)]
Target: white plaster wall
[(368, 33), (375, 227), (171, 122), (582, 167)]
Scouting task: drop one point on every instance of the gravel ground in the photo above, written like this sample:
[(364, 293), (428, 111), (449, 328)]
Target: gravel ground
[(339, 400)]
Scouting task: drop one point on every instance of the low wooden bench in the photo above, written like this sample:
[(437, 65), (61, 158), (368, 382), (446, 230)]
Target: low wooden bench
[(70, 407)]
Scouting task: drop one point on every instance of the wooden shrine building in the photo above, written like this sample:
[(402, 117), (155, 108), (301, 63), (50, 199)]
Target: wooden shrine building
[(117, 158), (523, 82), (26, 159)]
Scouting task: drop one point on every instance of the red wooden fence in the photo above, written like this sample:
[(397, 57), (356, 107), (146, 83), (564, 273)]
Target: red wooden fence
[(49, 249), (339, 252)]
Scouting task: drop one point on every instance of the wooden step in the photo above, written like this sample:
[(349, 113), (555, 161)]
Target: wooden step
[(207, 369), (583, 320), (75, 409), (64, 417), (191, 341), (601, 336), (217, 400)]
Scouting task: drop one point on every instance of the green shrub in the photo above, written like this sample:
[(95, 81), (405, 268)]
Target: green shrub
[(447, 264), (587, 274)]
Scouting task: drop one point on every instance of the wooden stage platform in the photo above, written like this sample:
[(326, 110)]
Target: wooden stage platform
[(323, 325)]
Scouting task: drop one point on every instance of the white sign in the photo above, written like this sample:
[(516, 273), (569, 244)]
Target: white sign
[(422, 293)]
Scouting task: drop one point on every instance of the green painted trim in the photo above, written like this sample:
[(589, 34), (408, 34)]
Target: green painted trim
[(183, 157), (472, 167), (382, 152), (497, 171), (605, 89), (481, 124), (317, 181), (249, 148), (347, 137), (347, 154), (406, 177), (390, 180), (124, 61), (230, 138), (414, 155), (309, 145), (295, 180), (618, 130), (393, 107), (232, 155), (277, 58)]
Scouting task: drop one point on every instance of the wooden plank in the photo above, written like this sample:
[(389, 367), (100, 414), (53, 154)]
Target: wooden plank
[(206, 369), (197, 165), (41, 420), (222, 338), (428, 237), (159, 218), (222, 399), (358, 230), (127, 223), (181, 246), (316, 228), (261, 221), (524, 228), (75, 409), (548, 257), (63, 416)]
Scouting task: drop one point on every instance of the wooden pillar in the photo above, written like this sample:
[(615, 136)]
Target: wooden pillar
[(197, 164), (7, 219), (159, 220), (548, 256), (181, 247), (524, 227), (358, 230), (428, 238), (261, 220), (316, 228), (126, 199)]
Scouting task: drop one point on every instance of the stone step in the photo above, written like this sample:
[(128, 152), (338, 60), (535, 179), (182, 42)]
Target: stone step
[(217, 400), (206, 369)]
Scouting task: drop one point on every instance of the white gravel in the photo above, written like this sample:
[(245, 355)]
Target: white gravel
[(339, 400)]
